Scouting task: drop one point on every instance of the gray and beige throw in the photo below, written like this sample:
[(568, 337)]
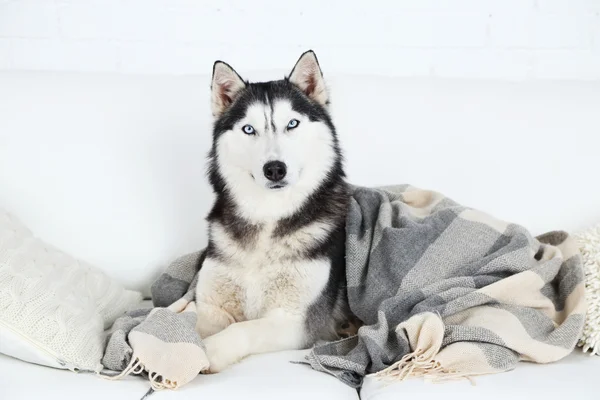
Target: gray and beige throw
[(444, 291), (448, 291), (161, 341)]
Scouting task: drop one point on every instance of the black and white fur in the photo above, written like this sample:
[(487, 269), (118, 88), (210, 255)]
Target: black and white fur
[(273, 276)]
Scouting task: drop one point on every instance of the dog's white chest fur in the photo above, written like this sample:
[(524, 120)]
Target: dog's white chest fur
[(255, 277)]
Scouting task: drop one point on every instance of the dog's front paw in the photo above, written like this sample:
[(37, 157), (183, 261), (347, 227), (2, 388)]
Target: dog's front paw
[(223, 349)]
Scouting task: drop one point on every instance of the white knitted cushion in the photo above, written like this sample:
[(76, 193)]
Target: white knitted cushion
[(589, 244), (53, 308)]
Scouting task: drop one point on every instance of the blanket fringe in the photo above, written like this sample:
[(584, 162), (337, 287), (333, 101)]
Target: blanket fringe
[(419, 364), (135, 367)]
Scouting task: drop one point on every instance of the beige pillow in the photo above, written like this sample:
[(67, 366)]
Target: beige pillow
[(589, 245), (53, 308)]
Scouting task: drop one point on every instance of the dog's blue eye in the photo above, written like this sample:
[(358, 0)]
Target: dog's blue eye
[(248, 129), (293, 124)]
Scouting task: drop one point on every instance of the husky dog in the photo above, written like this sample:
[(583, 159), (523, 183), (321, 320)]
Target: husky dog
[(273, 274)]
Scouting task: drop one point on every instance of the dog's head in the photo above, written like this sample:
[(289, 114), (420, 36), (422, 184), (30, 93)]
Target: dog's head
[(273, 142)]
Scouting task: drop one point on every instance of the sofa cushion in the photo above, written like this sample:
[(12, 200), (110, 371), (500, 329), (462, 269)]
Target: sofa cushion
[(266, 377), (574, 377), (53, 308)]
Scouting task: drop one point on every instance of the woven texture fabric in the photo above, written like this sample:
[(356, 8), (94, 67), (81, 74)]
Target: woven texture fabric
[(446, 291), (59, 305), (161, 342)]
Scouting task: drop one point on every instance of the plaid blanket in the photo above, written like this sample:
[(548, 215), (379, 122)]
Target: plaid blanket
[(446, 291), (161, 342), (443, 290)]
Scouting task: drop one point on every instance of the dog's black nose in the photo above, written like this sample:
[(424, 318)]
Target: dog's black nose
[(274, 170)]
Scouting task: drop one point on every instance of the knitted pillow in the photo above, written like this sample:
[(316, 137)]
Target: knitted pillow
[(589, 245), (53, 308)]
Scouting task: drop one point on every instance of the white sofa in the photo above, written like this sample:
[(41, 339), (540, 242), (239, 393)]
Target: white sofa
[(111, 169)]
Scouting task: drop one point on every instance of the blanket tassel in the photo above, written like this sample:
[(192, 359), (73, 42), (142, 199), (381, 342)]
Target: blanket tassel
[(418, 364), (136, 367)]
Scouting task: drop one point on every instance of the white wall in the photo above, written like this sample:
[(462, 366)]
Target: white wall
[(507, 39)]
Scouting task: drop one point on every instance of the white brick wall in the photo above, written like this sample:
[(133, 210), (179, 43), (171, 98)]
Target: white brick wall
[(506, 39)]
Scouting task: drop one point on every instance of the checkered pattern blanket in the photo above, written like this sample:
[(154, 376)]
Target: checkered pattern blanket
[(446, 291)]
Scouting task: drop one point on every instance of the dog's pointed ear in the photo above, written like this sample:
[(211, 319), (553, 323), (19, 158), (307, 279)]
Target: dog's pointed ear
[(225, 87), (308, 77)]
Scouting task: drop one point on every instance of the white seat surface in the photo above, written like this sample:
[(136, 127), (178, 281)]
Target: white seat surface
[(265, 377), (573, 378), (274, 377)]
